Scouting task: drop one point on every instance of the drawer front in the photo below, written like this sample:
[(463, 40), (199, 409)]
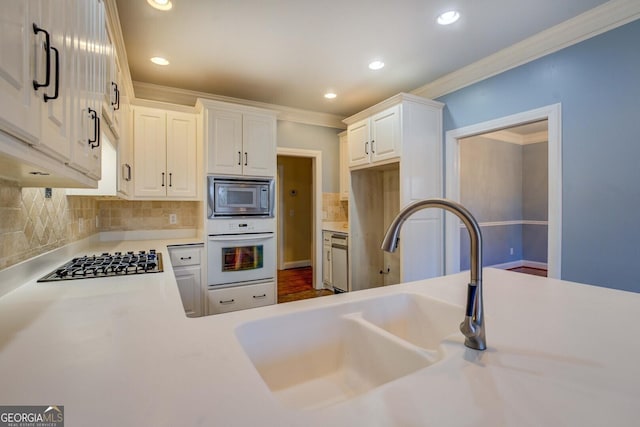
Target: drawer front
[(185, 256), (241, 297)]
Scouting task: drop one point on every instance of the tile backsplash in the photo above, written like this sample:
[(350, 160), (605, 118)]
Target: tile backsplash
[(333, 208), (116, 215), (31, 224)]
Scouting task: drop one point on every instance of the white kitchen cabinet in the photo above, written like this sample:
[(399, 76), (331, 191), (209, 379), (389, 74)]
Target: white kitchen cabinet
[(345, 178), (241, 297), (326, 259), (407, 131), (111, 102), (165, 154), (188, 272), (375, 139), (50, 68), (124, 167), (19, 102), (240, 140)]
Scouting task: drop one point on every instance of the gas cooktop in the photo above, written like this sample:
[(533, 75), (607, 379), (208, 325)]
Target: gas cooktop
[(107, 265)]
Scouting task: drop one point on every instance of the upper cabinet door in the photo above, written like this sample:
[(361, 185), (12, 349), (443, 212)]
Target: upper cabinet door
[(259, 143), (56, 121), (358, 140), (385, 134), (19, 102), (181, 155), (150, 177), (225, 153)]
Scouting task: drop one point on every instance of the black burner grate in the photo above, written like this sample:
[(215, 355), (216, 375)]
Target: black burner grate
[(107, 265)]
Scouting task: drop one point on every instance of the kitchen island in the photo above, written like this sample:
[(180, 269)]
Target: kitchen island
[(120, 351)]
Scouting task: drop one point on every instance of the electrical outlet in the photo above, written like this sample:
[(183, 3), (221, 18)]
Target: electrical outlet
[(511, 251), (97, 221), (80, 225), (173, 219)]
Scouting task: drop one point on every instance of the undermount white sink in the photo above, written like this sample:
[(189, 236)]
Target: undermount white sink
[(324, 356)]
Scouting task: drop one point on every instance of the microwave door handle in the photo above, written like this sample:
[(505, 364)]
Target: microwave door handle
[(240, 237)]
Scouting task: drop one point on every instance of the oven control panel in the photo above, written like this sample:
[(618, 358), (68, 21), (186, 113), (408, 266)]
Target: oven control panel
[(241, 225)]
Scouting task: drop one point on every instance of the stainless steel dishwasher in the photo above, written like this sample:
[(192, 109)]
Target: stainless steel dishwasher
[(340, 262)]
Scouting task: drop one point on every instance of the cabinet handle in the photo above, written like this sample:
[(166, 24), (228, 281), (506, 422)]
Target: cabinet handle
[(170, 179), (163, 179), (95, 141), (260, 296), (229, 301), (116, 92), (246, 158), (126, 175), (185, 258), (373, 151), (239, 158), (366, 147), (57, 81), (328, 256), (47, 47)]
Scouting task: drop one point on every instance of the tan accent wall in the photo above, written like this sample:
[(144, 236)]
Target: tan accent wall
[(297, 215)]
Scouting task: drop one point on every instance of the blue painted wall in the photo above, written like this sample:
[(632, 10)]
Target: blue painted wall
[(598, 84)]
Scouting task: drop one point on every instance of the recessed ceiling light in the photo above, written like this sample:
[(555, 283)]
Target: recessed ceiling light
[(376, 65), (330, 95), (159, 60), (449, 17), (160, 4)]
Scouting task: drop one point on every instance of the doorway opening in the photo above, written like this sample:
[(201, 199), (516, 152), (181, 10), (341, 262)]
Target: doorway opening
[(299, 223), (504, 183), (482, 173)]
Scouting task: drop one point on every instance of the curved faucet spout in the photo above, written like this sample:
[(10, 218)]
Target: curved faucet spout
[(472, 326)]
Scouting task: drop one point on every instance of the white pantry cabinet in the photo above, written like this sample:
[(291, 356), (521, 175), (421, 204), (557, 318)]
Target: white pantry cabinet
[(240, 140), (51, 73), (185, 260), (411, 128), (165, 154), (375, 139)]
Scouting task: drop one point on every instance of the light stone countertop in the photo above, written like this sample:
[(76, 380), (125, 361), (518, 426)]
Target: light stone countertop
[(120, 351)]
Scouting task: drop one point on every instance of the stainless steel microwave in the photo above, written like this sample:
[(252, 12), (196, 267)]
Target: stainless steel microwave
[(239, 196)]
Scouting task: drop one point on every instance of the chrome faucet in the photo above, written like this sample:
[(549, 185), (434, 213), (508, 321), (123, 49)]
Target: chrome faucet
[(472, 327)]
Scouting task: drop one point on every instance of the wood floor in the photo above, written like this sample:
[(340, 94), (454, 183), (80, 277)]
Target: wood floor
[(296, 284), (530, 270)]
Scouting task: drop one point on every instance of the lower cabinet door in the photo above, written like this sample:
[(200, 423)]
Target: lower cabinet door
[(188, 279), (241, 297)]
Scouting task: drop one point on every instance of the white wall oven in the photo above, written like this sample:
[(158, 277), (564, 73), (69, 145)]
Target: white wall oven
[(240, 252)]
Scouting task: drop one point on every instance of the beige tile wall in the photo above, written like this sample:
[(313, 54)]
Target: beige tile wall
[(31, 224), (116, 215), (334, 209)]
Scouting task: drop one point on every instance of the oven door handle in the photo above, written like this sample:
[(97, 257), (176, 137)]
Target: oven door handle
[(240, 237)]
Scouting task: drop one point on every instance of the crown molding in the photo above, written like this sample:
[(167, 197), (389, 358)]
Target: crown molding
[(189, 97), (598, 20), (390, 102)]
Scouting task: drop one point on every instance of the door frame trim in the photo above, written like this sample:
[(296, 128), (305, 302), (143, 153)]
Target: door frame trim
[(316, 208), (553, 115)]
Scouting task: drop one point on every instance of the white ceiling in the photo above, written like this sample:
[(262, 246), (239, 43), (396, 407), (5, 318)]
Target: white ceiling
[(290, 52)]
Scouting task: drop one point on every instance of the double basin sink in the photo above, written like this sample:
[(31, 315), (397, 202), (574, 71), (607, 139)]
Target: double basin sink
[(324, 356)]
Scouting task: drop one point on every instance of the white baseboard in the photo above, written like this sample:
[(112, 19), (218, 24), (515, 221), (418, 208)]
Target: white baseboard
[(520, 263), (296, 264)]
